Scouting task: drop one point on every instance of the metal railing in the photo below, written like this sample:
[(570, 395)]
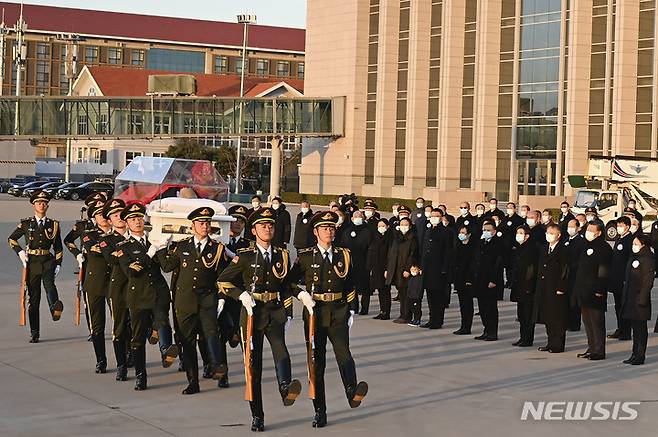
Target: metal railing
[(50, 117)]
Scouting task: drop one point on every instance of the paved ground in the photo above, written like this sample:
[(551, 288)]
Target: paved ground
[(422, 383)]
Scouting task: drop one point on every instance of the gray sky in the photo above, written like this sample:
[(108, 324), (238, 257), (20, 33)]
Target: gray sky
[(287, 13)]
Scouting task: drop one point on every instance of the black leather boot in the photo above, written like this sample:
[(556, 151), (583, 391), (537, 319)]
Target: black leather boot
[(288, 388), (139, 355), (120, 354), (320, 419), (98, 341), (34, 337), (258, 424)]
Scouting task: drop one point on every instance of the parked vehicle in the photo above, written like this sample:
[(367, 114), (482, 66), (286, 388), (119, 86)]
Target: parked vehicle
[(7, 183), (17, 189), (54, 191), (27, 192), (84, 190)]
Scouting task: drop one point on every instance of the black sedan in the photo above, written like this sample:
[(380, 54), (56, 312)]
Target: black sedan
[(27, 192), (84, 190), (17, 190), (53, 191)]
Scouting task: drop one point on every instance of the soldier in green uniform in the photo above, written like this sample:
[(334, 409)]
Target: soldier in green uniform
[(198, 259), (41, 235), (76, 232), (330, 297), (97, 280), (264, 270), (118, 288), (148, 294)]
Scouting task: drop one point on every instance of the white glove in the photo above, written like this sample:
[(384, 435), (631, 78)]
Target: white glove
[(154, 241), (80, 257), (220, 306), (152, 250), (23, 257), (57, 269), (288, 324), (230, 254), (350, 321), (307, 300), (248, 302)]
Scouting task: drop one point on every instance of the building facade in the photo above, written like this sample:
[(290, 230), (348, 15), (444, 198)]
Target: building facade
[(478, 98)]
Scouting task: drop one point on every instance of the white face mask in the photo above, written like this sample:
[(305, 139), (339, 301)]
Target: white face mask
[(633, 229), (255, 204), (564, 210), (435, 220), (368, 213), (636, 248), (428, 214), (404, 229), (463, 212), (382, 229), (571, 231), (589, 218), (395, 213), (520, 238), (358, 221), (621, 230), (304, 210), (590, 236), (492, 206), (531, 222), (486, 235), (419, 205), (551, 238), (510, 211), (524, 213), (479, 212), (276, 206), (631, 205)]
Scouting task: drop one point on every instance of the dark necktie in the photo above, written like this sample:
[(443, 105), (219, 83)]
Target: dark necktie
[(233, 241), (266, 255), (142, 241), (198, 248), (40, 224)]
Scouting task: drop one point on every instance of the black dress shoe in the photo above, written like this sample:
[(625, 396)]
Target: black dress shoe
[(34, 337), (625, 338), (480, 337), (57, 309), (596, 357), (462, 331), (192, 388), (516, 343), (358, 394), (585, 354), (122, 373), (614, 334), (543, 348), (289, 392), (363, 313), (629, 360), (556, 351), (207, 371), (385, 316), (101, 367), (258, 424), (435, 327), (490, 338), (525, 344), (378, 316), (140, 382), (223, 382), (637, 361), (319, 420)]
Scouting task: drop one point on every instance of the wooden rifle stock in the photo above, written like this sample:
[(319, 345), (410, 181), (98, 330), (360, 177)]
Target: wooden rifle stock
[(21, 321), (78, 297), (249, 392), (310, 356)]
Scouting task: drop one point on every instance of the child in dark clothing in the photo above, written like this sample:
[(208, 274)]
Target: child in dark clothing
[(415, 294)]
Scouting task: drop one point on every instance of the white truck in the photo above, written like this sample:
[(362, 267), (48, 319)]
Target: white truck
[(611, 182)]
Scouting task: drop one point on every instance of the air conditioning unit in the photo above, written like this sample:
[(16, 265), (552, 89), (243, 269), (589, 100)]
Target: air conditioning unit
[(172, 84)]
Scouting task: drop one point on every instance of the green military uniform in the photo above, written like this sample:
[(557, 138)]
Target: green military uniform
[(118, 292), (198, 264), (266, 273), (96, 285), (328, 278), (148, 298), (44, 251), (77, 232)]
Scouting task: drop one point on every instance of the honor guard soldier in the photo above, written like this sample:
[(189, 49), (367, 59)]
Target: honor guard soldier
[(198, 259), (148, 294), (118, 288), (42, 265), (267, 302), (79, 228), (97, 280), (330, 300)]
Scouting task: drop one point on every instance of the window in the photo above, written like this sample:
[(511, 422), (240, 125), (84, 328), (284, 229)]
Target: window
[(101, 124), (262, 67), (137, 123), (176, 60), (158, 154), (63, 80), (131, 155), (114, 56), (300, 70), (91, 54), (283, 68), (221, 64), (238, 64), (43, 50), (43, 77), (95, 156), (80, 155), (83, 128), (137, 57)]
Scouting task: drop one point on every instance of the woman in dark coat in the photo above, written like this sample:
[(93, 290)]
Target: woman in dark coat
[(523, 279), (377, 264), (636, 298), (461, 269), (551, 298), (401, 256)]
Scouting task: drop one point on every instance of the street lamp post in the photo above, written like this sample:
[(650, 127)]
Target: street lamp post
[(246, 20), (20, 55), (3, 33)]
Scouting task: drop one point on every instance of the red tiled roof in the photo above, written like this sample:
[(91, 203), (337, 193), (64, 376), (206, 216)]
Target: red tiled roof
[(132, 82), (153, 28)]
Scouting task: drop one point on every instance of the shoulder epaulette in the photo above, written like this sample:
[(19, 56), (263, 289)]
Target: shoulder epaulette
[(305, 250), (246, 249), (344, 249), (121, 243)]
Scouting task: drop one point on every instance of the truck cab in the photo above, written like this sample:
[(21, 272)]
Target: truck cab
[(610, 205)]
